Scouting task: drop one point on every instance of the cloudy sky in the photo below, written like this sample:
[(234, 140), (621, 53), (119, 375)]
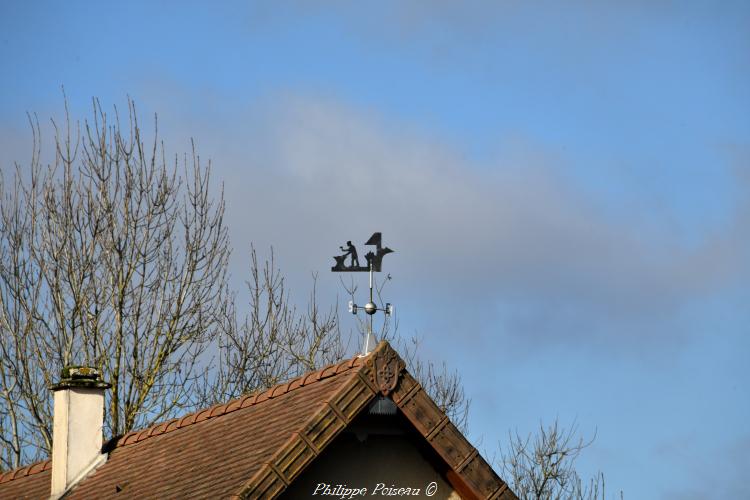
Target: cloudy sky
[(567, 188)]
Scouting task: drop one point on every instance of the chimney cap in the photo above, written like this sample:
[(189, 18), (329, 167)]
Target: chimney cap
[(76, 376)]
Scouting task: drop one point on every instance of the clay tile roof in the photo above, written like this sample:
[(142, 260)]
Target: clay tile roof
[(32, 481), (244, 433), (254, 446)]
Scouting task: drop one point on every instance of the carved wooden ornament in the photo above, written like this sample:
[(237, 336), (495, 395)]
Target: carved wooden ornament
[(385, 369)]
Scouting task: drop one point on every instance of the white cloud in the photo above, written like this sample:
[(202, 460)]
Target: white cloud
[(512, 238), (517, 234)]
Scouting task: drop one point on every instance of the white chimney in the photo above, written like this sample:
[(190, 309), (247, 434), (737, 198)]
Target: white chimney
[(77, 431)]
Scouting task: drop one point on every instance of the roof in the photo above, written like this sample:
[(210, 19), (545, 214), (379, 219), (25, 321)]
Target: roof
[(254, 446), (32, 481)]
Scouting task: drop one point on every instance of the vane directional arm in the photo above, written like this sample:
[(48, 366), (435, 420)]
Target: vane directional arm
[(371, 308)]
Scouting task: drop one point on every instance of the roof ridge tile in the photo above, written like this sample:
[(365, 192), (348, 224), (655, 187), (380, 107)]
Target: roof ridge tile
[(172, 425), (295, 383), (157, 429), (202, 415), (142, 434), (247, 400), (218, 411), (183, 421), (234, 405)]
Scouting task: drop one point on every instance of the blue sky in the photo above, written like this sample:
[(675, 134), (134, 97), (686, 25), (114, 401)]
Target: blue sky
[(567, 188)]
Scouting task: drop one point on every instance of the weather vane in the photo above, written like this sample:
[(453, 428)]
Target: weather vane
[(374, 262)]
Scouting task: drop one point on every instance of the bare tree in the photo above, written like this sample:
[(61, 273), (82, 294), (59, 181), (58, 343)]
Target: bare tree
[(113, 257), (110, 258), (275, 341), (116, 258), (543, 466)]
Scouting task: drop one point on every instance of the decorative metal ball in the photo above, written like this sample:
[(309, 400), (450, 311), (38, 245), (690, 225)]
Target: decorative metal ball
[(371, 308)]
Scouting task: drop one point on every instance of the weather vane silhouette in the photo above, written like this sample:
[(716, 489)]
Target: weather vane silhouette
[(374, 264), (374, 260)]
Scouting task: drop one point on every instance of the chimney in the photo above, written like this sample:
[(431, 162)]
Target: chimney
[(77, 431)]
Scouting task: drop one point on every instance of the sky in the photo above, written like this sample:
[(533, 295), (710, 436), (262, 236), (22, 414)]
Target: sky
[(566, 186)]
